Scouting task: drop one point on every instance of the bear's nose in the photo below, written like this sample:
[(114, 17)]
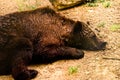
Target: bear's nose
[(103, 45)]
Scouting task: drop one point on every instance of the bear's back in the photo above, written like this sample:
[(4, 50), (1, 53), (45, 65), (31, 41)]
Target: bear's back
[(44, 21)]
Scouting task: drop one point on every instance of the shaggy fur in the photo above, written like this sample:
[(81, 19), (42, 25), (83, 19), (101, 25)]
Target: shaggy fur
[(41, 35)]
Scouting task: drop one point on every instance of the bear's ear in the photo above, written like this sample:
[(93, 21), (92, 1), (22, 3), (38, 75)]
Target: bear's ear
[(77, 27)]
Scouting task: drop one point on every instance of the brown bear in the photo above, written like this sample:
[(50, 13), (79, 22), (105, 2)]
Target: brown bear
[(41, 35)]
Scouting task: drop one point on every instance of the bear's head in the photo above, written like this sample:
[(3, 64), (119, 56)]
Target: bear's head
[(84, 38)]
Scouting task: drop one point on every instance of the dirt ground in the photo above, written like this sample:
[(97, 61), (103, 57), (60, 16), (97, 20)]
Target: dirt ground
[(96, 65)]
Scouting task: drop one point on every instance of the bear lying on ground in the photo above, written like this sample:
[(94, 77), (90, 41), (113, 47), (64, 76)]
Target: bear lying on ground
[(41, 35)]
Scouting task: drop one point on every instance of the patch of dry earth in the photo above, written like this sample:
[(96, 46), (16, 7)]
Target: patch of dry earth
[(100, 65)]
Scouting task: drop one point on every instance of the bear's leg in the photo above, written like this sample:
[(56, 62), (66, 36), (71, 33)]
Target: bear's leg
[(70, 53), (19, 68), (53, 53), (66, 53), (22, 52)]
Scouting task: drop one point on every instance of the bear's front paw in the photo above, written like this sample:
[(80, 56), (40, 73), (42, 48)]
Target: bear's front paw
[(26, 75), (79, 54), (33, 73)]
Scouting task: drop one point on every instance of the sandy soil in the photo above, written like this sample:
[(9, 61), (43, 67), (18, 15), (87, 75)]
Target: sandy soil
[(98, 65)]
